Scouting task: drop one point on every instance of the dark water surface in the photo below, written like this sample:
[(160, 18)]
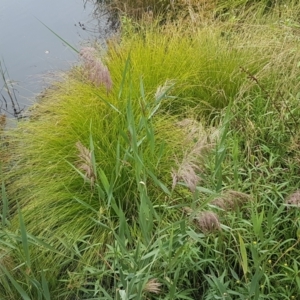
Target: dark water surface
[(29, 51)]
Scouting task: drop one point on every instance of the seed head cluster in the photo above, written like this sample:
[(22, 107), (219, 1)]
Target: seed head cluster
[(153, 286), (293, 199), (207, 221), (230, 200), (94, 69), (198, 141), (85, 163)]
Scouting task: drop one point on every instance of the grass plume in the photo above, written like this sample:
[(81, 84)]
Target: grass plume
[(86, 164), (94, 69)]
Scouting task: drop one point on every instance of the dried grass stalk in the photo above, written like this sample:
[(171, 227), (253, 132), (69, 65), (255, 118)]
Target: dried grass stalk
[(85, 163), (94, 68)]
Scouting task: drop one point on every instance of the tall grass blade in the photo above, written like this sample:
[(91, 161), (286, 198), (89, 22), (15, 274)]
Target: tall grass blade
[(24, 239), (159, 99), (244, 260), (123, 295), (104, 181), (145, 217), (108, 103), (221, 150), (132, 128), (85, 204), (142, 89), (108, 187), (16, 285), (41, 243), (92, 149), (45, 287), (127, 64), (254, 286), (4, 205), (257, 219), (63, 40), (84, 177), (159, 183)]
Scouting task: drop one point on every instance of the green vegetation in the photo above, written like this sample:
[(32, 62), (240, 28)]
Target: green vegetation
[(165, 167)]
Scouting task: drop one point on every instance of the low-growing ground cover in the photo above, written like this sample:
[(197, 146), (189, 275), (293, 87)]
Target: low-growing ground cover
[(165, 167)]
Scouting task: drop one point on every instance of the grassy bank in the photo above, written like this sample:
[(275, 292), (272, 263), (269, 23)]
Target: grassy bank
[(165, 167)]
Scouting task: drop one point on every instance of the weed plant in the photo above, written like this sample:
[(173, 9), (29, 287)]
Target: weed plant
[(165, 169)]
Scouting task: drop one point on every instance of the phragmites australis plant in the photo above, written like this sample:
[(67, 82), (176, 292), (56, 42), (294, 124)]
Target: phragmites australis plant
[(201, 140), (231, 200), (94, 69)]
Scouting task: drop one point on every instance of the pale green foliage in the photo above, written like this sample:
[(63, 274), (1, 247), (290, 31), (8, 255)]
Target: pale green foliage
[(203, 65)]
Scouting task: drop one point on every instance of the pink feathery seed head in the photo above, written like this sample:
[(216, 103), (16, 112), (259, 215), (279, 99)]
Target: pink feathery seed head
[(87, 53), (231, 200), (208, 221), (95, 70), (100, 75)]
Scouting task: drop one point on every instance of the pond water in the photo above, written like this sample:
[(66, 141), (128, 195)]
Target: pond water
[(29, 51)]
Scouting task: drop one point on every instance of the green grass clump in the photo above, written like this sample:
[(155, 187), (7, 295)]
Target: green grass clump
[(86, 164), (204, 65)]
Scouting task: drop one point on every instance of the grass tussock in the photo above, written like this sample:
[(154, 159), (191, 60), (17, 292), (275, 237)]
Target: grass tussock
[(161, 168)]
